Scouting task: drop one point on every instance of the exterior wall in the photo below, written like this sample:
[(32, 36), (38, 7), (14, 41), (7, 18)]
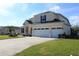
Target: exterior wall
[(67, 30), (49, 17), (24, 30), (27, 27), (48, 25)]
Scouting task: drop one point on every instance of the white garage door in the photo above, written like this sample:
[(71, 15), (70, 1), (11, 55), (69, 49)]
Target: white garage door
[(41, 33), (46, 32), (56, 32)]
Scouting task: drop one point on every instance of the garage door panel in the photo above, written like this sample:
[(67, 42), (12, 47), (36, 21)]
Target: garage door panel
[(41, 33), (56, 32)]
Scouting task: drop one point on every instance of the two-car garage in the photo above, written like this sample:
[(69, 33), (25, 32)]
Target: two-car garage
[(47, 32)]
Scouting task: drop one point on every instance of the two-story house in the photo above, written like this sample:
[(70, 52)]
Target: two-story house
[(47, 24)]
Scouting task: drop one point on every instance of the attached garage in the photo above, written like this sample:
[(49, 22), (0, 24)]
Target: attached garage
[(46, 32), (56, 32)]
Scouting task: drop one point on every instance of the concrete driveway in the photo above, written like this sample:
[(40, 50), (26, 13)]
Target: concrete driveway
[(10, 47)]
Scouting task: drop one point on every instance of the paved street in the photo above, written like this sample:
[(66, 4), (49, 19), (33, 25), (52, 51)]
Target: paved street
[(10, 47)]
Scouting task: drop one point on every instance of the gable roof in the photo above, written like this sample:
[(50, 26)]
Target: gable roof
[(64, 17), (30, 22)]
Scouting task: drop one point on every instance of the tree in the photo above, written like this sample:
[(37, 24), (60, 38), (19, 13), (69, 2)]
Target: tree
[(75, 28)]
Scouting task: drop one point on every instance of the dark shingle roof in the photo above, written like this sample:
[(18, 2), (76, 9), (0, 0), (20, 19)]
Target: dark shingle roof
[(29, 21)]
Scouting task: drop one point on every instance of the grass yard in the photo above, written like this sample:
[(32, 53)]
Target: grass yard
[(5, 37), (53, 48)]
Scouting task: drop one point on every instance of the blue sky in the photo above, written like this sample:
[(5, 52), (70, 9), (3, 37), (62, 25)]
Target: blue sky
[(14, 14)]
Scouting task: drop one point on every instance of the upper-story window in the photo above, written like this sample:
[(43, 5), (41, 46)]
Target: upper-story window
[(43, 19)]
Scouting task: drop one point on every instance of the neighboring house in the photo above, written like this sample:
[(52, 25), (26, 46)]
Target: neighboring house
[(17, 30), (46, 24), (5, 30)]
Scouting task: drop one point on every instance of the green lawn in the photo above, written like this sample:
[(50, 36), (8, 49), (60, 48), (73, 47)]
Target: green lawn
[(53, 48), (5, 37)]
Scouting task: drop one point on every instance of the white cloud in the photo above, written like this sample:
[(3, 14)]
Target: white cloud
[(11, 17), (55, 8), (74, 20), (50, 7), (4, 8), (4, 12), (74, 17), (6, 5)]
